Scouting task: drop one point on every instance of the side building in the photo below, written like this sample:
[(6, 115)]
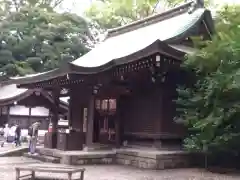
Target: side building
[(26, 106)]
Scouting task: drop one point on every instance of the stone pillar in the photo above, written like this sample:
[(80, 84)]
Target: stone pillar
[(90, 122)]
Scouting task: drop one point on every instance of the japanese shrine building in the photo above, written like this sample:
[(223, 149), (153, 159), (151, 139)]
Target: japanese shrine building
[(26, 106), (121, 92)]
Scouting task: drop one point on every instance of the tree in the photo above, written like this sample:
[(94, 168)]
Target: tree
[(18, 4), (210, 107), (108, 14), (35, 38), (114, 13)]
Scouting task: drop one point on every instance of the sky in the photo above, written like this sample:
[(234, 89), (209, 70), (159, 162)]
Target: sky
[(79, 6), (76, 6)]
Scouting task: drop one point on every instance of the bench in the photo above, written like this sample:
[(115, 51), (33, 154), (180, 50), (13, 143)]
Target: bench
[(48, 168)]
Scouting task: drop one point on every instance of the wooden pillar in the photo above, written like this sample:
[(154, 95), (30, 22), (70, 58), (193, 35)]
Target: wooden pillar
[(76, 138), (70, 111), (55, 110), (118, 124), (50, 140), (117, 129), (159, 124), (8, 115), (1, 119), (29, 116), (75, 114), (90, 121)]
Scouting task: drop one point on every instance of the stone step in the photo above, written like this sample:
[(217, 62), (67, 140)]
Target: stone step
[(43, 158), (98, 147), (49, 152)]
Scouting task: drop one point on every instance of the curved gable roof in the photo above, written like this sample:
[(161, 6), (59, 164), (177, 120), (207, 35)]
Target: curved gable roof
[(133, 41), (119, 46)]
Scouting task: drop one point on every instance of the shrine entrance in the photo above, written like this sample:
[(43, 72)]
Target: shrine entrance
[(105, 121)]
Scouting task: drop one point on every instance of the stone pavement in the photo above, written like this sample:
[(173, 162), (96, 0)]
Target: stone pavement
[(9, 149), (112, 172), (10, 146), (7, 146)]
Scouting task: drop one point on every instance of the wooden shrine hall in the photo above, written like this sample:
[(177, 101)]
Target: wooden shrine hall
[(121, 92)]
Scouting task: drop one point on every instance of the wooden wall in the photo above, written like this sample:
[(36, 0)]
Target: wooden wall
[(142, 113), (168, 126), (149, 115)]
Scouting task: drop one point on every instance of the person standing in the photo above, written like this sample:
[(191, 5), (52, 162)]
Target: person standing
[(12, 134), (33, 133), (17, 136), (6, 133)]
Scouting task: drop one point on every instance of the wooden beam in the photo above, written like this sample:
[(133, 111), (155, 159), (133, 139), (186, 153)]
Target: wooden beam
[(90, 121)]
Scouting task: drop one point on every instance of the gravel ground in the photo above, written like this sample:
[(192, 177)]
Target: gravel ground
[(114, 172)]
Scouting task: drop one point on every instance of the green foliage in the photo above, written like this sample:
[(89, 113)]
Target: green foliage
[(113, 13), (110, 14), (35, 38), (211, 106)]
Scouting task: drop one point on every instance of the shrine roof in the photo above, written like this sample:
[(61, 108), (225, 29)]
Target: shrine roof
[(9, 93), (160, 33), (183, 48), (38, 76), (168, 27)]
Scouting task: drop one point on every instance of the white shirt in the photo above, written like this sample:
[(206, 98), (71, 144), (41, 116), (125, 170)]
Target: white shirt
[(6, 131), (12, 131)]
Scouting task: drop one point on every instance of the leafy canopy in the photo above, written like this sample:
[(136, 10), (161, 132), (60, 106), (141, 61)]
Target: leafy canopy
[(211, 106), (35, 38), (114, 13), (107, 14)]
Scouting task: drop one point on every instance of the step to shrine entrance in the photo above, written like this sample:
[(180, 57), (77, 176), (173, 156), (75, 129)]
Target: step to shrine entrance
[(146, 159), (43, 158)]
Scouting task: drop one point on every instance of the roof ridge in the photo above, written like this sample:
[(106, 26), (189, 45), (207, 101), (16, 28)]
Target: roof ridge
[(151, 19)]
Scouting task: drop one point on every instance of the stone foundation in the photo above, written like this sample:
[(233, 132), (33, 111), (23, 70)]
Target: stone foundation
[(146, 159), (79, 157), (107, 157), (153, 159)]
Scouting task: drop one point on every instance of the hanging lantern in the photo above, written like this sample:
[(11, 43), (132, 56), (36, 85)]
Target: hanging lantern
[(106, 106), (98, 104), (158, 59), (112, 106)]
